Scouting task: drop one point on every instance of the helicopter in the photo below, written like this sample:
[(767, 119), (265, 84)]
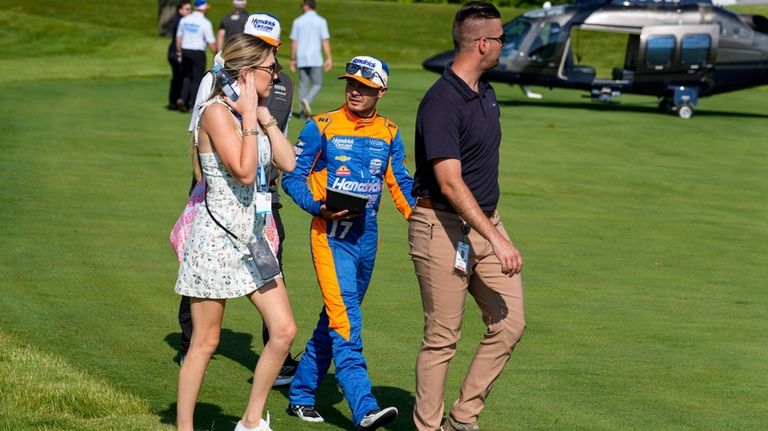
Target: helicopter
[(676, 50)]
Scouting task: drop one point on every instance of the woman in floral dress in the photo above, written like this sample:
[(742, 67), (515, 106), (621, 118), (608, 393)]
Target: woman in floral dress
[(237, 142)]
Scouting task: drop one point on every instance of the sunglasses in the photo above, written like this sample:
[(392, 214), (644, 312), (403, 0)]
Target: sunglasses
[(274, 69), (501, 39), (365, 71)]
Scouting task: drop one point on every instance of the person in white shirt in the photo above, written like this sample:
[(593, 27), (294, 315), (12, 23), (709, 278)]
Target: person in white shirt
[(194, 34), (309, 33)]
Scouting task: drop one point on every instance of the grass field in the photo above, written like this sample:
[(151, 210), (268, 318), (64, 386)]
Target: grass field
[(645, 239)]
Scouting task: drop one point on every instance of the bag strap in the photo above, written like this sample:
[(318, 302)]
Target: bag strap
[(206, 104), (201, 109), (210, 214), (217, 222)]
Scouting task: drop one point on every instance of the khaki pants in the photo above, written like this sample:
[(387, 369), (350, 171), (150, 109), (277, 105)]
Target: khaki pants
[(433, 236)]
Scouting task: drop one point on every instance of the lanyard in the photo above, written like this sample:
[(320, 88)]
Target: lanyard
[(262, 195), (262, 185), (261, 171)]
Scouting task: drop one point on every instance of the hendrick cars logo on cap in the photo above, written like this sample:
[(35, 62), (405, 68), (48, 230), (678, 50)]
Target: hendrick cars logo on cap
[(264, 26), (369, 70)]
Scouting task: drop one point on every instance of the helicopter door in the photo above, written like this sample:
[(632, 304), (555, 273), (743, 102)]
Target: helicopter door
[(677, 52)]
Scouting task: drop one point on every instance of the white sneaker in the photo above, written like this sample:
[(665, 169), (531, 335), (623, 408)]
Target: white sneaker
[(263, 425), (376, 419)]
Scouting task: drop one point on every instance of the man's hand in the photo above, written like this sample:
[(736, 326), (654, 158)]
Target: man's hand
[(339, 215), (327, 64), (448, 175), (509, 256)]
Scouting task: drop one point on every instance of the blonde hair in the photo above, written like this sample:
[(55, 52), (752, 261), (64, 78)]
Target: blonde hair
[(240, 52), (243, 51)]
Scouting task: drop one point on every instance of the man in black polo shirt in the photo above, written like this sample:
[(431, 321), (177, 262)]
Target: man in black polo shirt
[(233, 23), (458, 243)]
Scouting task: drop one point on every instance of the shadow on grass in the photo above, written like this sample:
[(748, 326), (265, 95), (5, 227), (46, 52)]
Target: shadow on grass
[(207, 417), (233, 345), (210, 416), (615, 106), (389, 396), (236, 346), (329, 395)]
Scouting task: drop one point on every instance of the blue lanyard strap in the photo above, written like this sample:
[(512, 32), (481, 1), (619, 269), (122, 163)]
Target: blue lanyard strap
[(261, 170), (262, 185)]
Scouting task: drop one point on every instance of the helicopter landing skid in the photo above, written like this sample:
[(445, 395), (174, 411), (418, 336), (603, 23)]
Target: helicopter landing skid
[(530, 94), (604, 94), (680, 100)]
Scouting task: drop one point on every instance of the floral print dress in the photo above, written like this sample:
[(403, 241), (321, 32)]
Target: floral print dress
[(214, 264)]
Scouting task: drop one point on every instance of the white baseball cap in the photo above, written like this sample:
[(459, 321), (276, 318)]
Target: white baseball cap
[(370, 71), (264, 26)]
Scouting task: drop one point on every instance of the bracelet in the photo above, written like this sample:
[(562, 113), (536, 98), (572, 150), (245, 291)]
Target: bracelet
[(250, 132), (270, 123)]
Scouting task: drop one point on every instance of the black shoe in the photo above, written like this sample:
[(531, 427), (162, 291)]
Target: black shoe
[(181, 105), (305, 413), (376, 419), (294, 361), (285, 376)]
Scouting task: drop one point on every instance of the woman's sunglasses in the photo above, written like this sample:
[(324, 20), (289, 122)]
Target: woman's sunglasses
[(274, 69)]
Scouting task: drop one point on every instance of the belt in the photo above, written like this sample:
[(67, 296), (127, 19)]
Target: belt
[(429, 203)]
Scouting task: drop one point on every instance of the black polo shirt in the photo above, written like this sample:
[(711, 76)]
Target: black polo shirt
[(280, 102), (233, 23), (454, 122)]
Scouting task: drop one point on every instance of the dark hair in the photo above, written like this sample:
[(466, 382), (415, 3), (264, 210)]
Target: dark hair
[(311, 3), (182, 3), (473, 10)]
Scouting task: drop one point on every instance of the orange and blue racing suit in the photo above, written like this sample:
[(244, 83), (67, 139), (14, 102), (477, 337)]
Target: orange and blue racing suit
[(343, 151)]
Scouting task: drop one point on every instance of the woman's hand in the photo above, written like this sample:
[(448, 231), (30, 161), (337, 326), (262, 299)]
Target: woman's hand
[(248, 100), (263, 114)]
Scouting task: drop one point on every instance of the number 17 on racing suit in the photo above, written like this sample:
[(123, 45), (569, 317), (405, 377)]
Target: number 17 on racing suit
[(342, 151)]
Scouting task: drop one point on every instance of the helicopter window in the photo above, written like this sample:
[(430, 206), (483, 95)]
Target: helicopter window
[(546, 41), (516, 31), (659, 51), (733, 28), (695, 49)]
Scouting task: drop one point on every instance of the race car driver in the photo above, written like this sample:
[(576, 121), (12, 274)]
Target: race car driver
[(353, 149)]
